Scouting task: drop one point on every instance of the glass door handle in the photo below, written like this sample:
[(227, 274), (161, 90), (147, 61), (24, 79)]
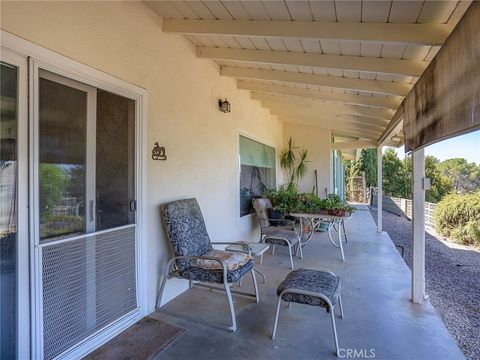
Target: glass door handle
[(92, 210)]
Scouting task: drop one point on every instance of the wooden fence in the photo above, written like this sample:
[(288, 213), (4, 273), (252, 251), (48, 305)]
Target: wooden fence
[(403, 207)]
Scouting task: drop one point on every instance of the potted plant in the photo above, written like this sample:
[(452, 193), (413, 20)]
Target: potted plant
[(295, 161)]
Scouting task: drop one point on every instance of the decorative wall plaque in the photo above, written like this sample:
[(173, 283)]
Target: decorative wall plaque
[(158, 152)]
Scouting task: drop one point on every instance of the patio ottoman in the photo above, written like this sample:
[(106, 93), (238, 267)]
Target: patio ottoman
[(311, 287)]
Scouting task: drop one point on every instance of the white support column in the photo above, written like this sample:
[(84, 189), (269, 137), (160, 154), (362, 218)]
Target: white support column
[(418, 215), (379, 189)]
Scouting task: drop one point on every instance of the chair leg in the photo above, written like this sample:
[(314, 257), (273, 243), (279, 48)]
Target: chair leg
[(276, 317), (190, 284), (166, 274), (291, 258), (289, 304), (334, 329), (232, 309), (255, 287), (262, 275), (261, 259), (340, 305), (273, 249)]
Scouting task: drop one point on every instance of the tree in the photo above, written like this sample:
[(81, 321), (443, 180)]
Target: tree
[(393, 174), (465, 176), (440, 185), (368, 164), (352, 168), (53, 183)]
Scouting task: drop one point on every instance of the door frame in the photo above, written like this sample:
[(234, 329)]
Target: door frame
[(64, 66), (22, 256)]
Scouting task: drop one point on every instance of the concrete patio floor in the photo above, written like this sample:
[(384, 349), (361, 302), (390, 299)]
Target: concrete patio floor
[(380, 321)]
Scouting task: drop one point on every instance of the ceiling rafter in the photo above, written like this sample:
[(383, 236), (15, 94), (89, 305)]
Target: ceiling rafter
[(341, 62), (415, 33), (375, 86), (328, 96), (353, 145), (337, 130), (352, 123), (326, 107)]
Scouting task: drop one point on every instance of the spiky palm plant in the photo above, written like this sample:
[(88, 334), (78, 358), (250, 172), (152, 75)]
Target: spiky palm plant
[(295, 161)]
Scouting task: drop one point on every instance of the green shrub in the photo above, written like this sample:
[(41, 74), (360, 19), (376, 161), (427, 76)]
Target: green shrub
[(287, 199), (457, 216)]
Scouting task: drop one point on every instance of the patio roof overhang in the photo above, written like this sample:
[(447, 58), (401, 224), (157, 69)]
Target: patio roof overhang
[(342, 66)]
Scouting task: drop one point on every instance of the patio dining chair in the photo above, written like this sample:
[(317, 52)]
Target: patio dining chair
[(196, 260), (276, 231)]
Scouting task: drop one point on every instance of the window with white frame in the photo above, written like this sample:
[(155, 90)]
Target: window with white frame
[(257, 171)]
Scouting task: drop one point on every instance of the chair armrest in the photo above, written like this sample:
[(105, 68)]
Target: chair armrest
[(214, 258), (244, 245)]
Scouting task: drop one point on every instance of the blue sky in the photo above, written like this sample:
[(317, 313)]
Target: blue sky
[(465, 146)]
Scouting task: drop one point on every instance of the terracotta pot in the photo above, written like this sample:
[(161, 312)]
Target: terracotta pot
[(336, 212)]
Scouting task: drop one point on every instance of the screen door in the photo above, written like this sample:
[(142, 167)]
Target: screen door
[(85, 200)]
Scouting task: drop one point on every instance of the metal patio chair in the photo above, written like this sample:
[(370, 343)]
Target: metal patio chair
[(196, 260), (283, 234)]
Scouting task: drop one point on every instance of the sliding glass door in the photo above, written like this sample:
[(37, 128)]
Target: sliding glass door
[(13, 207), (85, 221)]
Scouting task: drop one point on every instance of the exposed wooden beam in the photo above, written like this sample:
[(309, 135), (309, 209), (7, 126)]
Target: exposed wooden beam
[(391, 102), (418, 34), (381, 87), (392, 126), (379, 124), (356, 134), (342, 62), (347, 156), (353, 145), (351, 134), (328, 107), (327, 123)]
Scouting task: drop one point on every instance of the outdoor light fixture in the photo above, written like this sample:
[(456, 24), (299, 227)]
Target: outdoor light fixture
[(224, 105)]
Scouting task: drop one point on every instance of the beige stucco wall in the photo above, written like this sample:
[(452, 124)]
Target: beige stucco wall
[(317, 141), (124, 39)]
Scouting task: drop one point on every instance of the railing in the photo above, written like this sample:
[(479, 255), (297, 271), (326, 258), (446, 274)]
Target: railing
[(403, 207)]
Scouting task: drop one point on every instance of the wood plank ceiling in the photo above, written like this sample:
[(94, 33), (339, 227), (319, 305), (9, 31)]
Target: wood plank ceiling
[(341, 65)]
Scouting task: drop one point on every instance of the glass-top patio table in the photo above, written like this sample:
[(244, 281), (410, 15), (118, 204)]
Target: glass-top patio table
[(336, 223)]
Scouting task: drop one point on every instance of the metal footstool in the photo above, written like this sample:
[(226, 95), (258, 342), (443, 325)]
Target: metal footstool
[(311, 287)]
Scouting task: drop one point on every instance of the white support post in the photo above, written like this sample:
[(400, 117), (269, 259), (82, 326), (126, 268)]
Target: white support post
[(379, 189), (418, 215)]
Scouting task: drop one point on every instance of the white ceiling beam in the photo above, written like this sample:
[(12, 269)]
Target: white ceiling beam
[(393, 127), (328, 123), (417, 34), (374, 86), (377, 124), (342, 62), (334, 97), (325, 106), (348, 156), (339, 131), (353, 145)]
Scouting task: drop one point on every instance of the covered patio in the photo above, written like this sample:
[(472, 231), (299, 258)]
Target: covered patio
[(110, 110), (380, 321)]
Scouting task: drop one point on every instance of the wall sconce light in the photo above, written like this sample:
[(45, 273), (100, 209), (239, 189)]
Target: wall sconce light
[(224, 105)]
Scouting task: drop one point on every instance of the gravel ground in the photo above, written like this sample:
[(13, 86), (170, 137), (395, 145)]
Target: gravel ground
[(452, 282)]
